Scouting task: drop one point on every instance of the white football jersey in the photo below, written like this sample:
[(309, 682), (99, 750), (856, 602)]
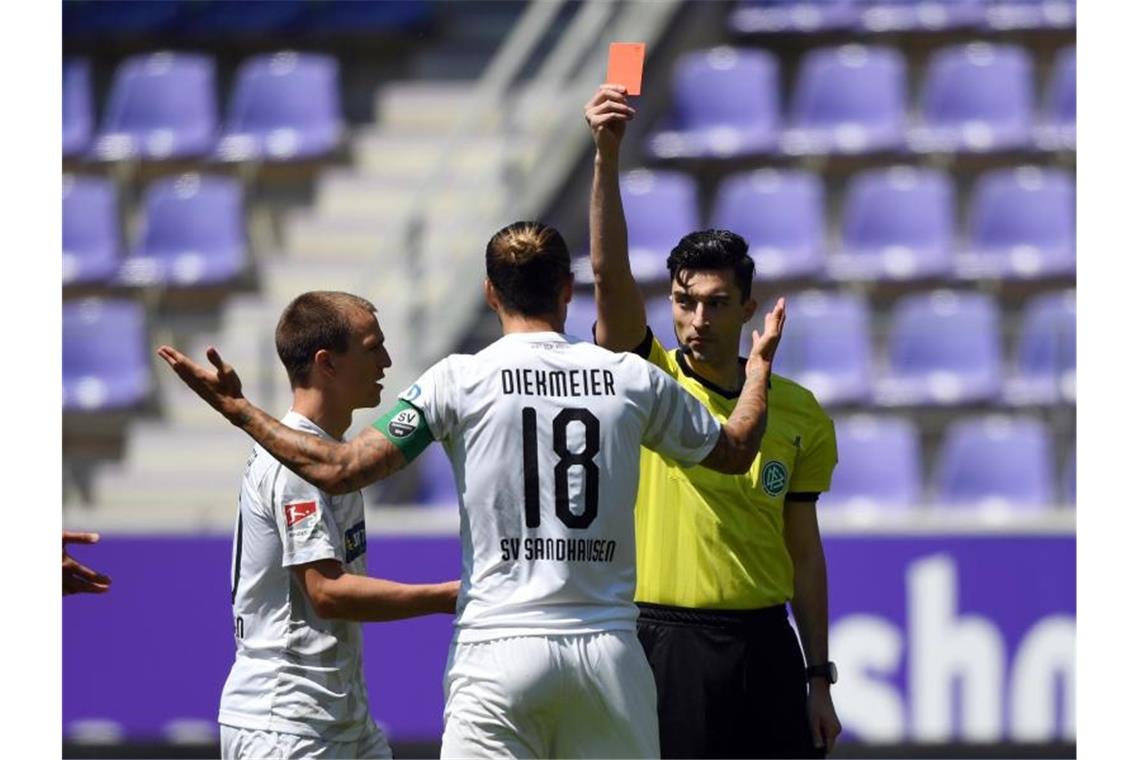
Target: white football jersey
[(544, 434), (295, 672)]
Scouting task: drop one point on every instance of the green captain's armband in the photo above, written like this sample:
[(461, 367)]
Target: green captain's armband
[(406, 428)]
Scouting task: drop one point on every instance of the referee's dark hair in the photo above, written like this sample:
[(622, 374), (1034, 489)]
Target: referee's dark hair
[(714, 249), (528, 264), (312, 321)]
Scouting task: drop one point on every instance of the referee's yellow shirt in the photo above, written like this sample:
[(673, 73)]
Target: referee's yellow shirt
[(715, 541)]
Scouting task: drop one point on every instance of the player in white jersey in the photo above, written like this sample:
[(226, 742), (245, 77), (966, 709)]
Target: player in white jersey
[(299, 585), (544, 435)]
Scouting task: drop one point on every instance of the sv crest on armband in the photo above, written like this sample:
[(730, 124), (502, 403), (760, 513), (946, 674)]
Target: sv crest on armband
[(404, 423)]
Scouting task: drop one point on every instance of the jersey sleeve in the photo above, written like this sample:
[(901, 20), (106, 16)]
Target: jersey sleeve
[(305, 521), (817, 459), (679, 425), (424, 412)]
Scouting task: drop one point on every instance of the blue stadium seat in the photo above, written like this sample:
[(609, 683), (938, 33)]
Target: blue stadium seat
[(781, 215), (996, 462), (943, 348), (105, 355), (897, 224), (659, 317), (826, 345), (1046, 354), (90, 230), (660, 209), (193, 233), (850, 99), (162, 106), (919, 15), (726, 102), (78, 116), (284, 106), (1005, 15), (1022, 224), (436, 478), (880, 465), (793, 16), (976, 97), (581, 315), (1059, 128)]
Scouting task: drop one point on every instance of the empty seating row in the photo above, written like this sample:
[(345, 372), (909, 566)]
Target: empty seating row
[(896, 223), (976, 97), (192, 233), (812, 16), (941, 348), (164, 106)]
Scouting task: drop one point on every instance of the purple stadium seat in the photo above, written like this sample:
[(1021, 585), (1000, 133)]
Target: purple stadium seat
[(943, 349), (897, 223), (660, 209), (581, 315), (927, 15), (880, 465), (1022, 224), (826, 345), (781, 215), (850, 99), (437, 479), (976, 97), (995, 463), (726, 102), (794, 16), (1003, 15), (659, 316), (77, 112), (1069, 478), (193, 233), (106, 362), (1046, 358), (1059, 128), (285, 106), (90, 230), (161, 106)]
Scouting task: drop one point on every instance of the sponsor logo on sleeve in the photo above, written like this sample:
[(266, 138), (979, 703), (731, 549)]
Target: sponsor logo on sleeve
[(298, 512), (355, 542), (774, 477), (404, 423)]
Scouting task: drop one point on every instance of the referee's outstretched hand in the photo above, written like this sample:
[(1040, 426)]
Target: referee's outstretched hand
[(219, 387), (764, 345)]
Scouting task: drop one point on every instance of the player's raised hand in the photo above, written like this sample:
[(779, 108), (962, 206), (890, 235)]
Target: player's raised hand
[(607, 113), (77, 578), (219, 387), (764, 345)]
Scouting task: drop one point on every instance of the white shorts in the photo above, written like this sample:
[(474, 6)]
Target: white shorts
[(589, 695), (253, 744)]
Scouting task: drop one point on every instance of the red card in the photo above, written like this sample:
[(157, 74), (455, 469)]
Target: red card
[(626, 62)]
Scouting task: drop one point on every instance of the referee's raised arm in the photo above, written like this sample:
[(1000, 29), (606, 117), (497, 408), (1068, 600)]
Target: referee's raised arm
[(621, 309)]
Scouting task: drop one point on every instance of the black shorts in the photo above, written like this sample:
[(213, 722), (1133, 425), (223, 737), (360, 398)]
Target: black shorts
[(729, 683)]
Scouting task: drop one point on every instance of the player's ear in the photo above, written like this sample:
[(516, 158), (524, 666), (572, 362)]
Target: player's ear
[(323, 362), (749, 308), (490, 295)]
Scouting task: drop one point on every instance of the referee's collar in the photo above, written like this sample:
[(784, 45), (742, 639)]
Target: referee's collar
[(688, 371)]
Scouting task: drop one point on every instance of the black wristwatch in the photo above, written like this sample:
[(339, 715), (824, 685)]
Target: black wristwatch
[(826, 670)]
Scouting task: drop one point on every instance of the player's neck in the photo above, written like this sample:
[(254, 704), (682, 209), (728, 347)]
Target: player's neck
[(723, 373), (313, 405), (520, 323)]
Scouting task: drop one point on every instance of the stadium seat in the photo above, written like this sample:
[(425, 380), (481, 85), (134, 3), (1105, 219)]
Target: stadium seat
[(105, 355), (581, 315), (897, 223), (1069, 478), (826, 347), (919, 15), (781, 215), (77, 110), (1005, 15), (162, 106), (726, 102), (284, 106), (90, 230), (1046, 355), (1022, 224), (660, 209), (659, 317), (1058, 130), (850, 99), (793, 16), (976, 98), (193, 233), (880, 465), (943, 348), (995, 462), (436, 478)]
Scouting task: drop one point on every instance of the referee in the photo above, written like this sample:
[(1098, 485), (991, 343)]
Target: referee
[(719, 556)]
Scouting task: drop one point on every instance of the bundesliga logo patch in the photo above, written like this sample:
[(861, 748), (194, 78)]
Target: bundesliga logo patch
[(774, 478), (404, 423), (295, 513)]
